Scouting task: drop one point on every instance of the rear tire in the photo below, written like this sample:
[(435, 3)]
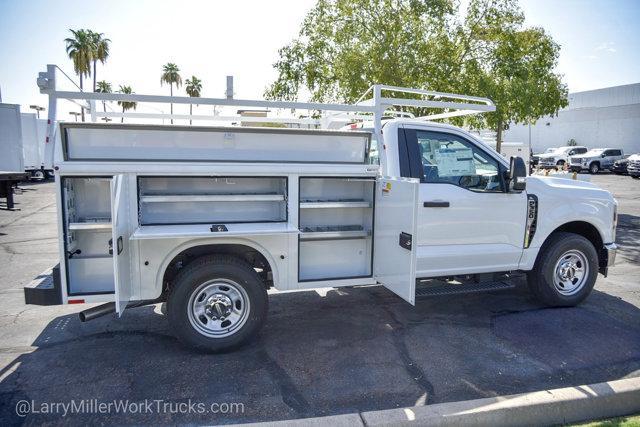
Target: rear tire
[(594, 168), (217, 303), (565, 271)]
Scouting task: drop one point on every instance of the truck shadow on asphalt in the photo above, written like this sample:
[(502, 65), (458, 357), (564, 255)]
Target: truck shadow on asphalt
[(628, 238), (322, 354)]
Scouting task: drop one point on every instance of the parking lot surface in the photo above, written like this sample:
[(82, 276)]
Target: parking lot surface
[(320, 353)]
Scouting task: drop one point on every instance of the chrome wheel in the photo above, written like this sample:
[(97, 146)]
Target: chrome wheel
[(571, 272), (218, 308)]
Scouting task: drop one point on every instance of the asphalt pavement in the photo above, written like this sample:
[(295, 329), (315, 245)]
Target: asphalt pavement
[(320, 353)]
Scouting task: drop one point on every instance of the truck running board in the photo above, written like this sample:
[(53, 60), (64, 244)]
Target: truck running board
[(458, 288)]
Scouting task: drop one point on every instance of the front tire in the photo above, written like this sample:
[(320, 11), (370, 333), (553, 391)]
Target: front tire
[(594, 168), (565, 271), (217, 303)]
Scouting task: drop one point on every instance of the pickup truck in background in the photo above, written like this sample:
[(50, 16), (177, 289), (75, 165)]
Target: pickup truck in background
[(209, 218), (559, 156), (596, 159), (633, 166)]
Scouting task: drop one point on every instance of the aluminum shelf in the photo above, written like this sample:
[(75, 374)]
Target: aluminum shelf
[(333, 232), (173, 198), (334, 204), (89, 225)]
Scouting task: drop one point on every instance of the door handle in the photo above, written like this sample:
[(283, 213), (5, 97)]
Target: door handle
[(436, 204)]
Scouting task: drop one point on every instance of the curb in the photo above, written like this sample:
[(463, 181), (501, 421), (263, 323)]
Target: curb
[(547, 407)]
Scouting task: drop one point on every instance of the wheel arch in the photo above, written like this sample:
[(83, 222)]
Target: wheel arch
[(255, 254), (584, 229)]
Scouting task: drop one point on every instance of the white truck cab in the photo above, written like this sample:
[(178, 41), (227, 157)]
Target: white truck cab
[(209, 218)]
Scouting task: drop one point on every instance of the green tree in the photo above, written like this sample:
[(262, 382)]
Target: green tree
[(126, 105), (80, 51), (100, 46), (103, 87), (193, 87), (171, 75), (345, 46)]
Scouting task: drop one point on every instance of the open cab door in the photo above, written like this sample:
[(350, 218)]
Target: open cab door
[(120, 241), (394, 258)]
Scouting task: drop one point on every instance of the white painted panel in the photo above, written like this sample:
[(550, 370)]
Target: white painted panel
[(396, 213), (326, 259), (213, 144), (90, 275)]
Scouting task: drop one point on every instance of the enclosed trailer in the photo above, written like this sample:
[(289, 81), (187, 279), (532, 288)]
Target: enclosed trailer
[(11, 160), (34, 133)]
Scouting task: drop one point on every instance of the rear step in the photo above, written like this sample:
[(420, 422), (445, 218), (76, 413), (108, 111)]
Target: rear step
[(459, 288), (44, 289)]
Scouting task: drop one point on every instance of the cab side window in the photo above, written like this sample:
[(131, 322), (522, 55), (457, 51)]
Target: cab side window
[(449, 159)]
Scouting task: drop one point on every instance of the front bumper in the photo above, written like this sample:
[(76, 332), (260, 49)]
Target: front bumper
[(608, 259), (611, 249)]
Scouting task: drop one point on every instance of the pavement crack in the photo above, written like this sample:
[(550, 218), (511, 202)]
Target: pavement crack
[(410, 365), (291, 396)]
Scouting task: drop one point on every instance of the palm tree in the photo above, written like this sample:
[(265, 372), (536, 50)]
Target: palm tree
[(80, 51), (170, 74), (126, 105), (103, 87), (193, 88), (100, 52)]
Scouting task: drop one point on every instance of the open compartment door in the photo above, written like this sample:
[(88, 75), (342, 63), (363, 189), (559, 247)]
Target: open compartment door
[(120, 242), (394, 259)]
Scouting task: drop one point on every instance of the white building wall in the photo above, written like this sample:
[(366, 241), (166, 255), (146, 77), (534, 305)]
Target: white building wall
[(600, 118)]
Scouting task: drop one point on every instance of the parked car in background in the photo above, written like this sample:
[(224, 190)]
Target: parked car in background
[(633, 166), (560, 156), (620, 166), (596, 160), (535, 158)]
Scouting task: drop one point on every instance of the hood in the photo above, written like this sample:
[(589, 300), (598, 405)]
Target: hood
[(633, 157), (552, 181), (547, 155)]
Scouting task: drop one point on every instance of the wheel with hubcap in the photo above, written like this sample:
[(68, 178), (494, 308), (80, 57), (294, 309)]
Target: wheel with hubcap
[(565, 271), (217, 303), (594, 168)]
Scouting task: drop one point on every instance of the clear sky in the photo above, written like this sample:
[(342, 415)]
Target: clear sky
[(600, 41)]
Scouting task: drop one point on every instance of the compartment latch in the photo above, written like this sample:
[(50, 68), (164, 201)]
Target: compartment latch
[(405, 240)]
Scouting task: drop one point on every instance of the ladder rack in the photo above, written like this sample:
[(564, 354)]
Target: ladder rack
[(377, 103)]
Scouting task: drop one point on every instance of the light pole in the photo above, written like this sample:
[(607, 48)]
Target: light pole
[(37, 108), (75, 113)]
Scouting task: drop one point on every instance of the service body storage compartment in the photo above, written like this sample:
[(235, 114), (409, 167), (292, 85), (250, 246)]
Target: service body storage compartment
[(193, 200), (123, 225), (87, 222), (336, 227)]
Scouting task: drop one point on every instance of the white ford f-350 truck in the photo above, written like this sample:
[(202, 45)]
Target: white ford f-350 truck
[(209, 218)]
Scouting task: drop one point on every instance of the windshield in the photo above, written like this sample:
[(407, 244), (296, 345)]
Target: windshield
[(593, 153)]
